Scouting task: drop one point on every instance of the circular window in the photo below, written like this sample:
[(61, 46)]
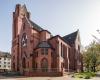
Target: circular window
[(24, 40)]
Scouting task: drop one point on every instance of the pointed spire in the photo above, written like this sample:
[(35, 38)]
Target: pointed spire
[(22, 11), (24, 8), (17, 9), (18, 5)]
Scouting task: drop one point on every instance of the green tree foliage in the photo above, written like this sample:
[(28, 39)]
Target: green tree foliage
[(91, 56)]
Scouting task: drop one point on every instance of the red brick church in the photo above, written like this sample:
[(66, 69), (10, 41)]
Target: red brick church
[(35, 52)]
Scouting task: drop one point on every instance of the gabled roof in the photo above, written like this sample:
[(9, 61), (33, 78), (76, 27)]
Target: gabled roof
[(71, 37), (44, 44), (60, 38), (35, 26)]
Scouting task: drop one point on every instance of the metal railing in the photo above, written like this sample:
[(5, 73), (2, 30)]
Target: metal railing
[(41, 70), (48, 70)]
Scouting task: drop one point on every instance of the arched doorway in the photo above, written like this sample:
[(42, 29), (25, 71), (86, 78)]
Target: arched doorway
[(44, 65), (23, 63)]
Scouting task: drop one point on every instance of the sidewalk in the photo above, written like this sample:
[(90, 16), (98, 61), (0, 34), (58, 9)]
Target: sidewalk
[(67, 77)]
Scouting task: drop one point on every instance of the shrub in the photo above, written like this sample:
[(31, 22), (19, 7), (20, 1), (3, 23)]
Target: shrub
[(73, 76), (87, 77)]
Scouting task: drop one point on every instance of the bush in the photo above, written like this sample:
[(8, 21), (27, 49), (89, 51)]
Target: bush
[(87, 77), (73, 76), (80, 76), (93, 74)]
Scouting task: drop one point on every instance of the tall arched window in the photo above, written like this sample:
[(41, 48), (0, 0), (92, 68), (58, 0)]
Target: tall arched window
[(23, 26), (62, 50), (23, 63), (13, 66), (44, 65)]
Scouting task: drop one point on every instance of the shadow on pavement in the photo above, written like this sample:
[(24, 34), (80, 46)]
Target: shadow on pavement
[(97, 75), (12, 75), (7, 75)]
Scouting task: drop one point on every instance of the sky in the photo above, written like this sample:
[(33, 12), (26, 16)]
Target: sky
[(60, 17)]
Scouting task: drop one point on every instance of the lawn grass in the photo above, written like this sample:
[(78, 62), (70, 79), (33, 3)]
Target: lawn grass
[(85, 75)]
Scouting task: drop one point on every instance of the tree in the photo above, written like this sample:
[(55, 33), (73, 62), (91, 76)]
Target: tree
[(91, 56)]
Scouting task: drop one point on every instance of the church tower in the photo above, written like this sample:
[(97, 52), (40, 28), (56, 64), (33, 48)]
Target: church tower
[(18, 15)]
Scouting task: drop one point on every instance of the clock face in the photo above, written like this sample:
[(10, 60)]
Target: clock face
[(24, 40)]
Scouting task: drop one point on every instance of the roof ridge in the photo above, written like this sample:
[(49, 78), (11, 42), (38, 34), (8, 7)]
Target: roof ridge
[(71, 33), (36, 26), (71, 37)]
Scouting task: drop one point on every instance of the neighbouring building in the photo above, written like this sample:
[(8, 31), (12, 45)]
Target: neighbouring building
[(36, 52), (5, 61)]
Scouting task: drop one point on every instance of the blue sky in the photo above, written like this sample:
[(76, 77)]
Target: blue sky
[(58, 16)]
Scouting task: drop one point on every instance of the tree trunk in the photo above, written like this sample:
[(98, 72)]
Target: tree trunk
[(94, 69)]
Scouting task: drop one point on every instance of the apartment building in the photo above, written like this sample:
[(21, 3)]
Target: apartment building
[(5, 61)]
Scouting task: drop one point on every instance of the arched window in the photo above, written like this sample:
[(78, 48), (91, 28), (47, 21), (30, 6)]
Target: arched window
[(34, 65), (44, 65), (78, 47), (44, 51), (23, 63), (23, 26), (62, 50), (13, 66)]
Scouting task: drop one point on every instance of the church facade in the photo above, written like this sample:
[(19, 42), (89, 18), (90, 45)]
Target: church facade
[(35, 52)]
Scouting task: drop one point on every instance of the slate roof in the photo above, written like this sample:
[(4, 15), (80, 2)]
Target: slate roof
[(5, 54), (71, 37), (44, 44), (35, 26)]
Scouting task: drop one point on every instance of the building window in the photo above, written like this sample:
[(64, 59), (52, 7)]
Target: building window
[(8, 66), (8, 58), (0, 65), (0, 58), (13, 57), (78, 47), (28, 64), (69, 52), (4, 58), (61, 50), (24, 26), (4, 65), (13, 66), (14, 28), (24, 63), (8, 62), (36, 54), (35, 65), (25, 54), (44, 65), (44, 51), (52, 54), (4, 62)]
